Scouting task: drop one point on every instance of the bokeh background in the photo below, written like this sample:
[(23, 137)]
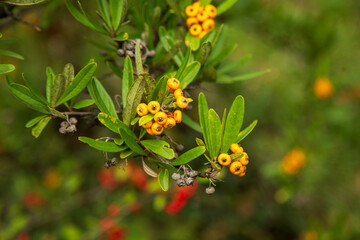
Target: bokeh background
[(303, 180)]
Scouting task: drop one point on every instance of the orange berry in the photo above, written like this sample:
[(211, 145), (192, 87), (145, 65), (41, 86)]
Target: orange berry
[(202, 34), (182, 102), (173, 83), (208, 24), (178, 93), (235, 148), (170, 123), (154, 107), (244, 159), (323, 88), (170, 115), (170, 90), (157, 129), (149, 131), (211, 10), (195, 30), (241, 174), (198, 6), (224, 159), (142, 109), (191, 11), (160, 117), (178, 116), (191, 21), (236, 168), (202, 16), (148, 124)]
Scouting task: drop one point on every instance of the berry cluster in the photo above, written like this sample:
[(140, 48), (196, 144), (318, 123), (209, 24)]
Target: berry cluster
[(200, 19), (163, 117), (237, 167)]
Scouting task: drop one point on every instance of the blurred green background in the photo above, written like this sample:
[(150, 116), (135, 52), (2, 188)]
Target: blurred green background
[(303, 180)]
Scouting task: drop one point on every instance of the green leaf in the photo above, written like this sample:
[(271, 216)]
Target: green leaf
[(159, 87), (56, 113), (119, 141), (236, 156), (145, 119), (199, 142), (228, 67), (80, 81), (127, 79), (126, 153), (159, 147), (189, 74), (131, 142), (204, 52), (138, 59), (23, 2), (84, 103), (214, 133), (6, 68), (191, 123), (189, 156), (215, 60), (57, 89), (116, 8), (102, 145), (204, 118), (24, 94), (69, 74), (34, 91), (192, 42), (223, 122), (50, 79), (227, 79), (184, 64), (225, 5), (11, 54), (121, 37), (233, 123), (114, 124), (205, 2), (104, 11), (163, 38), (115, 69), (34, 121), (163, 179), (246, 131), (102, 98), (133, 99), (36, 131)]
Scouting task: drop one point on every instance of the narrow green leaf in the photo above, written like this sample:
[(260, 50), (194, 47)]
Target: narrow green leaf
[(145, 119), (80, 81), (134, 121), (204, 118), (192, 42), (116, 7), (163, 38), (236, 156), (115, 69), (121, 37), (127, 79), (214, 133), (189, 156), (204, 52), (163, 179), (159, 147), (69, 74), (200, 142), (34, 91), (50, 79), (191, 123), (36, 131), (131, 142), (7, 41), (225, 5), (126, 153), (246, 131), (101, 98), (160, 88), (138, 59), (227, 79), (119, 141), (230, 66), (23, 2), (104, 11), (6, 68), (233, 123), (102, 145), (56, 113), (133, 99), (184, 64), (115, 124), (189, 74), (57, 89), (34, 121), (11, 54), (77, 15), (223, 122), (215, 60), (84, 103)]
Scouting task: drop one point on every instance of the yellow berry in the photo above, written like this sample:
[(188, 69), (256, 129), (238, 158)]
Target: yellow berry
[(191, 21), (182, 102), (149, 131), (173, 83), (198, 6), (157, 129), (178, 116), (195, 30), (224, 159), (208, 24), (235, 148), (160, 117), (170, 123), (154, 107), (241, 174), (148, 124), (211, 10), (236, 168), (244, 159), (178, 93), (202, 16), (202, 34), (191, 11), (141, 109)]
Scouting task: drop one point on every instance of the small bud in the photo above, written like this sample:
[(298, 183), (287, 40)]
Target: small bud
[(64, 124), (180, 182), (210, 190), (175, 176), (189, 181), (73, 120)]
